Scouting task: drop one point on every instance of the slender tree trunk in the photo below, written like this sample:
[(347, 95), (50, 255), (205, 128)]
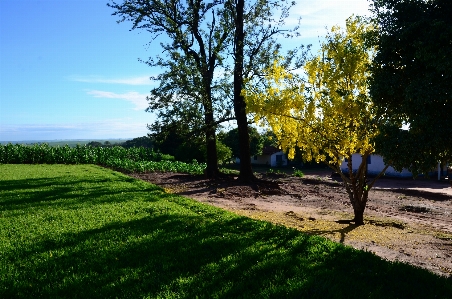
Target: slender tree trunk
[(211, 140), (357, 189), (359, 205), (211, 147), (359, 217), (246, 172), (358, 201), (357, 186)]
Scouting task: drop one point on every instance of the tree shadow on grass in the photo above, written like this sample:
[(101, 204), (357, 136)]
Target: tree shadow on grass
[(42, 192), (177, 247), (182, 255), (342, 231)]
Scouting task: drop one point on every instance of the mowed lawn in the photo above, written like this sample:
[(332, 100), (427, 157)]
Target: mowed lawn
[(83, 231)]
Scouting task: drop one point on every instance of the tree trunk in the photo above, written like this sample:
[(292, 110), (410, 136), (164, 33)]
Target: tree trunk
[(359, 217), (211, 148), (358, 201), (246, 172), (357, 188), (211, 140)]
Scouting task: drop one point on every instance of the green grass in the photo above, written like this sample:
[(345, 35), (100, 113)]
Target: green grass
[(81, 231)]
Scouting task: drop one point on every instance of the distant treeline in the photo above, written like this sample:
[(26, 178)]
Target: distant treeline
[(136, 142)]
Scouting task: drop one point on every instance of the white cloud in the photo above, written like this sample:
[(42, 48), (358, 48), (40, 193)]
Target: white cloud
[(138, 99), (318, 15), (141, 80)]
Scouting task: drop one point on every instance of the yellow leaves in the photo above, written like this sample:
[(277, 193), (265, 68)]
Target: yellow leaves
[(329, 117), (291, 153)]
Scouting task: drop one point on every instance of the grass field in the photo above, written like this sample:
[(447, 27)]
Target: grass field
[(82, 231)]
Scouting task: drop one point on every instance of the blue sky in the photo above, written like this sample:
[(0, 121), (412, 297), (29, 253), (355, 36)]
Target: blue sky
[(69, 71)]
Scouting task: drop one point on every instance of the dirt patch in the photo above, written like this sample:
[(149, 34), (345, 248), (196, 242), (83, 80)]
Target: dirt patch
[(406, 220)]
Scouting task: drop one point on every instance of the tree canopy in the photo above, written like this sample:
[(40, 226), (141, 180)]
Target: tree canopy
[(330, 115), (411, 82), (231, 139), (202, 37), (197, 36), (176, 140), (144, 141)]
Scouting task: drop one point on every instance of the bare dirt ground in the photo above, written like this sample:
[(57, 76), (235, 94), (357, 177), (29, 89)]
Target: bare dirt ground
[(406, 220)]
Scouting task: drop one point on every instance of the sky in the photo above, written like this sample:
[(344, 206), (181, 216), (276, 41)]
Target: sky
[(68, 70)]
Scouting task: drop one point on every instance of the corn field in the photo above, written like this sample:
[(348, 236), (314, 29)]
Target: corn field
[(136, 159)]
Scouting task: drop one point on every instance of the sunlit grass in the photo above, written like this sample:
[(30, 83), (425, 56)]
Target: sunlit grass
[(88, 232)]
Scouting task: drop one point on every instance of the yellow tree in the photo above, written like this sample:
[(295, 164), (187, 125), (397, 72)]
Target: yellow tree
[(328, 114)]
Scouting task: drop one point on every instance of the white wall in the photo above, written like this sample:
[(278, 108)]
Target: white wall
[(273, 162), (267, 160), (375, 167), (261, 159)]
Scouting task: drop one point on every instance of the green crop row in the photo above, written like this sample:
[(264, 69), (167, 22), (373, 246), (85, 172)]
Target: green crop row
[(81, 154), (127, 165), (135, 159)]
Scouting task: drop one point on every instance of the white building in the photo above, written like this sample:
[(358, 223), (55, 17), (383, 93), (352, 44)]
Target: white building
[(375, 165), (270, 156)]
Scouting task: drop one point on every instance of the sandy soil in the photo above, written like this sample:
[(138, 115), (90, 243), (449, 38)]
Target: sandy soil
[(406, 220)]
